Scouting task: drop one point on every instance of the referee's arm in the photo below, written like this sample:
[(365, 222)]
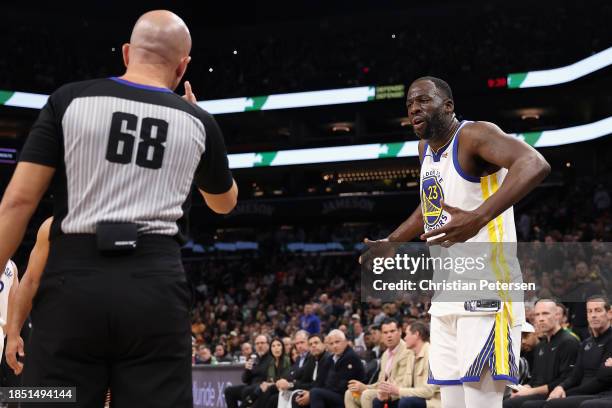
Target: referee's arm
[(39, 157), (213, 176), (222, 203)]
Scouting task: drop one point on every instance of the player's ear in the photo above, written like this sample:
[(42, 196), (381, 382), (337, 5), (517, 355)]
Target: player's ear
[(125, 50), (449, 105)]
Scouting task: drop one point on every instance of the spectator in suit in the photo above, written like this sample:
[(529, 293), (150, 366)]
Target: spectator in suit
[(414, 391), (255, 372), (300, 342), (345, 366), (299, 383), (393, 368)]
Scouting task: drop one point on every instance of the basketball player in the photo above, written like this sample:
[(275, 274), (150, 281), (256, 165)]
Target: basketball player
[(471, 175), (21, 302), (8, 284)]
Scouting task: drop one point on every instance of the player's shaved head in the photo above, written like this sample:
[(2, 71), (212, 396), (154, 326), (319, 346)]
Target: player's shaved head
[(160, 36)]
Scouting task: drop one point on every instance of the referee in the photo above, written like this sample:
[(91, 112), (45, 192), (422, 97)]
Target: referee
[(112, 310)]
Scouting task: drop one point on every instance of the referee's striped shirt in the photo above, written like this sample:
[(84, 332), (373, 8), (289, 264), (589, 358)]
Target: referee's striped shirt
[(125, 152)]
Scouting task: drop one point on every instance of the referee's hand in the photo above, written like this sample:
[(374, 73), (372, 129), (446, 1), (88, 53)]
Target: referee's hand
[(14, 346), (189, 95)]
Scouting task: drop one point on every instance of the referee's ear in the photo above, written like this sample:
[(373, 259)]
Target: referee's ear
[(181, 69), (125, 50)]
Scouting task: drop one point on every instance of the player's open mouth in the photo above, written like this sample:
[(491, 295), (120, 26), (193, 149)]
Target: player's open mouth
[(417, 123)]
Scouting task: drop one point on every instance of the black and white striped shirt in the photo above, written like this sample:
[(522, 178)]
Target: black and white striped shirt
[(125, 152)]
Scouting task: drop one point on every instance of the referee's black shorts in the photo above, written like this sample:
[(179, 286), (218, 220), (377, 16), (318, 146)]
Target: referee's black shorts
[(118, 322)]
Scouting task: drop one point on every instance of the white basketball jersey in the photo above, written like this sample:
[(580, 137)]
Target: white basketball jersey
[(443, 179), (6, 282)]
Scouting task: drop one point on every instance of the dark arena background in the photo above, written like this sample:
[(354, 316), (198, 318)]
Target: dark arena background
[(311, 100)]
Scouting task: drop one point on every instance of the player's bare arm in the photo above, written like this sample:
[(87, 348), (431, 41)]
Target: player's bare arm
[(483, 149), (27, 186), (21, 303), (11, 296)]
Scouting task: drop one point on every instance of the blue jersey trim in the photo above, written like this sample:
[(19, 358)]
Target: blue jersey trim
[(443, 382), (473, 378), (437, 156), (458, 168), (140, 86), (424, 152), (507, 378)]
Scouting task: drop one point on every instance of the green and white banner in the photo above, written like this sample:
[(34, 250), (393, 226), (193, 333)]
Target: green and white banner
[(254, 103), (561, 75), (23, 99), (546, 138)]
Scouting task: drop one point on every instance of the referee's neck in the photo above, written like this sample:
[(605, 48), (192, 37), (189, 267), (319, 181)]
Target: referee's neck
[(147, 76)]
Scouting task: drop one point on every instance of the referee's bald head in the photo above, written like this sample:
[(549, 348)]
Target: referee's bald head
[(159, 38)]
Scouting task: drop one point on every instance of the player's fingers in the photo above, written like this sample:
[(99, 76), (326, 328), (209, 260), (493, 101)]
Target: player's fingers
[(437, 241), (448, 208), (188, 90), (442, 230), (19, 368), (11, 360), (447, 244)]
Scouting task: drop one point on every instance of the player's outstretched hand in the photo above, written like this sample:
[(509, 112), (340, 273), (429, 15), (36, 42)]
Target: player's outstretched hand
[(462, 226), (379, 247), (189, 95), (14, 346)]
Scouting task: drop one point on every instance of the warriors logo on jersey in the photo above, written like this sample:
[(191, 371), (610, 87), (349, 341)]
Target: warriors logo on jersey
[(432, 195)]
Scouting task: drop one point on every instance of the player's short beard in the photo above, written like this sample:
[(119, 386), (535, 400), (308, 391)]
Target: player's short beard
[(435, 126)]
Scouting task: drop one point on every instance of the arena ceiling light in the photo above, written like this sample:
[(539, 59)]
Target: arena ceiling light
[(255, 103), (545, 138), (549, 77)]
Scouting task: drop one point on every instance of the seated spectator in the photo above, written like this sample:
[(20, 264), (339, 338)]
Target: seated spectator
[(278, 367), (415, 392), (345, 366), (295, 389), (604, 375), (555, 355), (310, 321), (245, 351), (293, 355), (255, 372), (582, 383), (233, 347), (394, 364), (220, 354), (358, 338), (300, 342), (583, 288), (529, 340), (204, 356), (563, 319), (287, 344)]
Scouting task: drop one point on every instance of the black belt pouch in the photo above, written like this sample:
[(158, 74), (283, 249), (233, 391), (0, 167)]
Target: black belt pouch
[(117, 237)]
